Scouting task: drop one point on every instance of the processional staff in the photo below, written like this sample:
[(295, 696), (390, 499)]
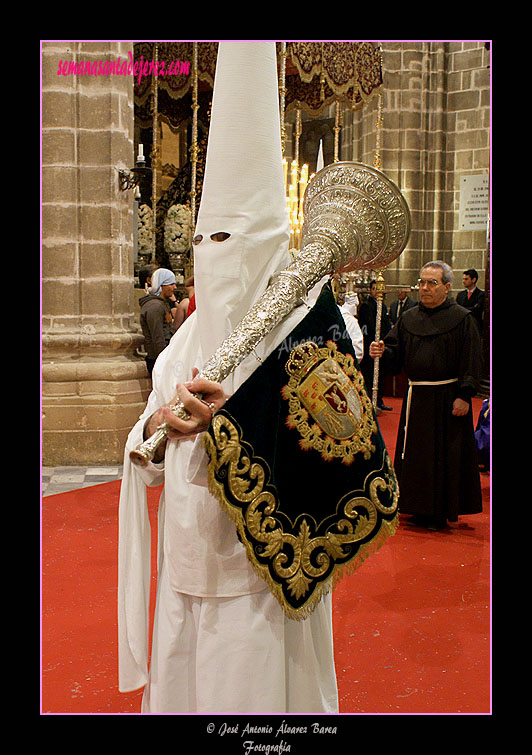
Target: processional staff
[(380, 290), (380, 286)]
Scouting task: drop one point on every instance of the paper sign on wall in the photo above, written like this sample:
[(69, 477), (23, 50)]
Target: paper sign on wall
[(474, 203)]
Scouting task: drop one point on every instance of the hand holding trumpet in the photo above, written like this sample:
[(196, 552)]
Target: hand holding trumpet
[(200, 398)]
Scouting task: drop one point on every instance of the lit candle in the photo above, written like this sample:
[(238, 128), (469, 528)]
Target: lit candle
[(302, 187), (285, 172), (303, 182), (294, 173)]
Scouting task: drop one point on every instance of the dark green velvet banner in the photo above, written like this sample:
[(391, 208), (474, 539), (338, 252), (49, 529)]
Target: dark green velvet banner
[(298, 462)]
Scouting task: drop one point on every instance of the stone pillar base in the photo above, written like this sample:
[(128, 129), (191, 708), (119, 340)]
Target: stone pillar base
[(89, 406)]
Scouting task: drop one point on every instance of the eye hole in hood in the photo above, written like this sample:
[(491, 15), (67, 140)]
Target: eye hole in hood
[(219, 236)]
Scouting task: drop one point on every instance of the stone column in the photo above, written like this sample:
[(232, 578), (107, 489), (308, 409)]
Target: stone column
[(436, 129), (469, 107), (414, 152), (94, 384)]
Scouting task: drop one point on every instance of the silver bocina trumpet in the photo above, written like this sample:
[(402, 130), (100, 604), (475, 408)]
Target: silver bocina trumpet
[(355, 218)]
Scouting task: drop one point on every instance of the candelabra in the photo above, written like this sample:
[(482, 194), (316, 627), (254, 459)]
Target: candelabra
[(130, 179)]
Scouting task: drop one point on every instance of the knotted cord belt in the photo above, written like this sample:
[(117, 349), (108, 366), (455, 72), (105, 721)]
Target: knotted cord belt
[(409, 400)]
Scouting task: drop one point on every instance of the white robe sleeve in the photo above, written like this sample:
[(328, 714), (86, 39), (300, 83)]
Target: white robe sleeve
[(134, 560), (355, 333)]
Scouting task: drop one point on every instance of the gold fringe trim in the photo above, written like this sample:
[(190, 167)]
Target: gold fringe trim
[(387, 529)]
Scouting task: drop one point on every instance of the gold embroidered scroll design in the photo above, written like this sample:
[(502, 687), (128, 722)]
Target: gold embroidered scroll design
[(299, 565), (326, 386)]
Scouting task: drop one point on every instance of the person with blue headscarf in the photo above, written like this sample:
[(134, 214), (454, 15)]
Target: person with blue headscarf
[(156, 316)]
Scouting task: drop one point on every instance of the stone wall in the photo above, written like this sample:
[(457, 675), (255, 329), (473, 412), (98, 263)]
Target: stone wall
[(436, 120), (94, 385)]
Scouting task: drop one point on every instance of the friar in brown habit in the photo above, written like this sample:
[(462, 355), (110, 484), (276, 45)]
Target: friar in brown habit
[(437, 343)]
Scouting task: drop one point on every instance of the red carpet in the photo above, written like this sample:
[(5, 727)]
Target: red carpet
[(412, 625)]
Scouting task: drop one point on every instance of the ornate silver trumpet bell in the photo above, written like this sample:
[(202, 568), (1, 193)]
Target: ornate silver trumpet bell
[(360, 212)]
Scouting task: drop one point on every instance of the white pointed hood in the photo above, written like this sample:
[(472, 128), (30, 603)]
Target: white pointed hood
[(243, 192)]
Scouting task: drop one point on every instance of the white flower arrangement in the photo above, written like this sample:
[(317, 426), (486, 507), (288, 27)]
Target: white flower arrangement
[(145, 229), (177, 229)]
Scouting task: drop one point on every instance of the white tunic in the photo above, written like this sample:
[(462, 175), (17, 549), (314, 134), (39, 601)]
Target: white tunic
[(212, 607)]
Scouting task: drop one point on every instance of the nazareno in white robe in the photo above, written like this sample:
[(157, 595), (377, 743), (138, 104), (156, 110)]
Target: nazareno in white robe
[(222, 643)]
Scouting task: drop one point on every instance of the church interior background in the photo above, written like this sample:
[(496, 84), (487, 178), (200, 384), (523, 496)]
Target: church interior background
[(114, 147)]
